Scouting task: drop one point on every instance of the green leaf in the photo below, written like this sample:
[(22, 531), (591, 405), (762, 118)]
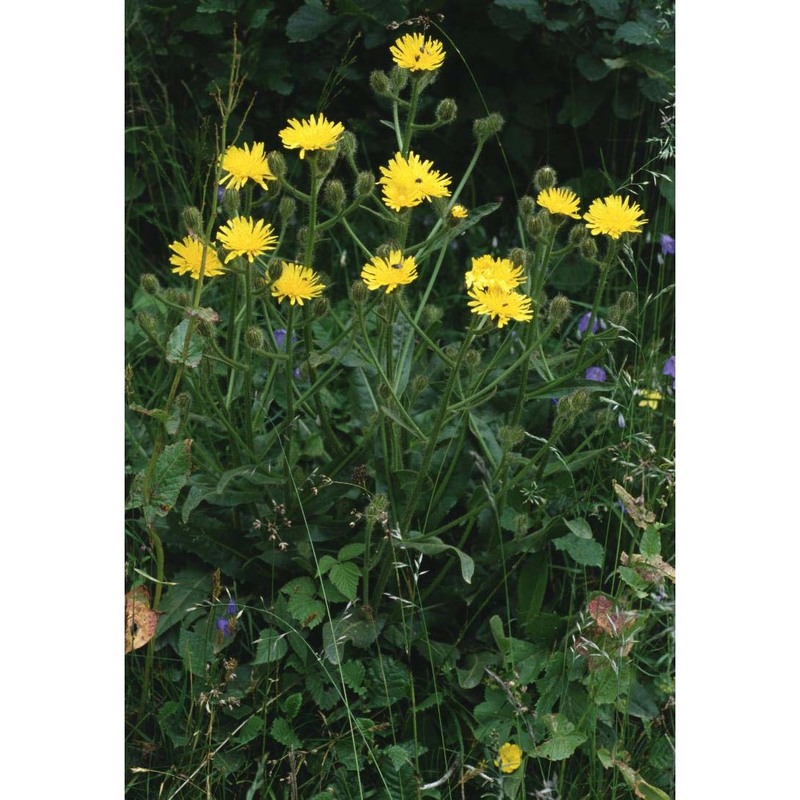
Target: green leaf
[(591, 67), (433, 545), (190, 587), (650, 546), (586, 552), (634, 33), (308, 611), (196, 648), (353, 673), (398, 755), (251, 729), (345, 578), (531, 587), (580, 527), (177, 342), (350, 551), (169, 477), (473, 672), (563, 741), (325, 563), (610, 9), (308, 22), (271, 646), (281, 731), (531, 8), (291, 705)]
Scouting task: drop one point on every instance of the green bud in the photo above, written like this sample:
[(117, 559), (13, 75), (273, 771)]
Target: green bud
[(538, 225), (559, 310), (398, 78), (359, 292), (254, 338), (510, 436), (148, 323), (384, 392), (192, 220), (207, 329), (626, 304), (571, 407), (527, 206), (333, 195), (384, 249), (577, 233), (545, 178), (446, 111), (379, 83), (326, 159), (320, 306), (451, 351), (421, 383), (365, 184), (486, 127), (277, 163), (180, 297), (287, 208), (588, 248), (149, 283), (431, 314), (472, 359), (518, 257), (230, 203), (302, 236), (348, 144), (275, 270)]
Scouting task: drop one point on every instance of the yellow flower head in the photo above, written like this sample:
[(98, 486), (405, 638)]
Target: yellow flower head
[(458, 212), (311, 134), (559, 201), (243, 164), (509, 757), (614, 216), (390, 272), (408, 181), (189, 255), (651, 400), (501, 303), (487, 271), (243, 237), (298, 283), (416, 53)]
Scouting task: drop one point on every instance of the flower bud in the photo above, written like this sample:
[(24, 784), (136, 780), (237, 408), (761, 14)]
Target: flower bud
[(527, 206), (148, 323), (326, 159), (446, 111), (571, 407), (560, 309), (254, 338), (277, 163), (538, 225), (398, 78), (230, 203), (451, 351), (577, 233), (333, 195), (365, 184), (486, 127), (518, 257), (192, 220), (286, 209), (183, 401), (622, 309), (545, 178), (359, 292), (379, 83), (320, 306), (383, 250), (588, 248), (348, 144), (431, 315), (275, 270), (384, 392), (421, 383), (149, 283), (180, 297), (510, 435)]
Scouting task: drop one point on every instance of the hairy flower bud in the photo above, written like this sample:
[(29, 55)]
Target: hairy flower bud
[(545, 178), (348, 144), (560, 309), (421, 383), (571, 407), (510, 436), (287, 208), (326, 159), (577, 233), (486, 127), (538, 225), (527, 206), (622, 309), (365, 184), (183, 401), (446, 111), (472, 359), (359, 292), (149, 283), (333, 195), (588, 248), (398, 78), (254, 338), (379, 83), (320, 306), (192, 220), (275, 270), (148, 323), (230, 203), (277, 163), (451, 351), (518, 257), (431, 314)]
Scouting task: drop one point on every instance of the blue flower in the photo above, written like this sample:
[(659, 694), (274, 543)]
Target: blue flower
[(669, 369), (667, 245), (583, 323), (232, 608), (595, 374), (223, 624), (280, 337)]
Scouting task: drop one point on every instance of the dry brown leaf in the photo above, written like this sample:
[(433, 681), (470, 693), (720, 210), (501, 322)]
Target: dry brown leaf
[(140, 619)]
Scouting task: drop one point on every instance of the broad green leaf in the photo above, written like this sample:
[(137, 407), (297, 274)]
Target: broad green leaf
[(291, 705), (191, 587), (270, 646), (309, 22), (353, 673), (281, 731), (610, 9), (531, 8), (580, 527), (196, 648), (591, 67), (586, 552), (345, 578), (178, 353), (564, 739), (531, 587), (325, 563), (432, 545), (650, 545), (398, 755), (634, 33), (350, 551), (251, 729), (473, 672), (308, 611)]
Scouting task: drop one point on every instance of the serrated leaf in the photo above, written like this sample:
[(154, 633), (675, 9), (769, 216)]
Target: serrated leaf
[(564, 739), (271, 646), (308, 22), (580, 527), (178, 353), (650, 545), (282, 732), (634, 33), (350, 551), (353, 673), (308, 611), (291, 705), (345, 578), (325, 563), (398, 755), (250, 730), (585, 552), (196, 649)]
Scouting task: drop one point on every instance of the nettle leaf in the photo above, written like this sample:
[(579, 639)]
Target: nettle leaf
[(196, 648), (178, 353), (308, 22), (291, 705), (281, 731), (271, 646), (585, 552), (345, 578), (353, 673), (250, 730)]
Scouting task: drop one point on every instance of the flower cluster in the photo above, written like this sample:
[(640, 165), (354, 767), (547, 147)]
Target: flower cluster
[(408, 181), (491, 285)]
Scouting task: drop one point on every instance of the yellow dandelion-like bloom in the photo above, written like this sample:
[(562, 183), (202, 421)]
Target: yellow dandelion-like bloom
[(501, 303), (487, 271), (416, 53), (311, 134), (391, 272), (509, 757), (408, 181), (458, 212), (298, 283), (243, 164), (559, 201), (614, 216), (651, 400), (188, 255), (242, 236)]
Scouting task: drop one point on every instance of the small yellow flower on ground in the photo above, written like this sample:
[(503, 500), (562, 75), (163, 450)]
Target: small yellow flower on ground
[(416, 53), (189, 255), (243, 164), (241, 236), (614, 216), (298, 283), (651, 400), (501, 303), (408, 181), (488, 271), (509, 757), (559, 201), (311, 134), (390, 272)]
